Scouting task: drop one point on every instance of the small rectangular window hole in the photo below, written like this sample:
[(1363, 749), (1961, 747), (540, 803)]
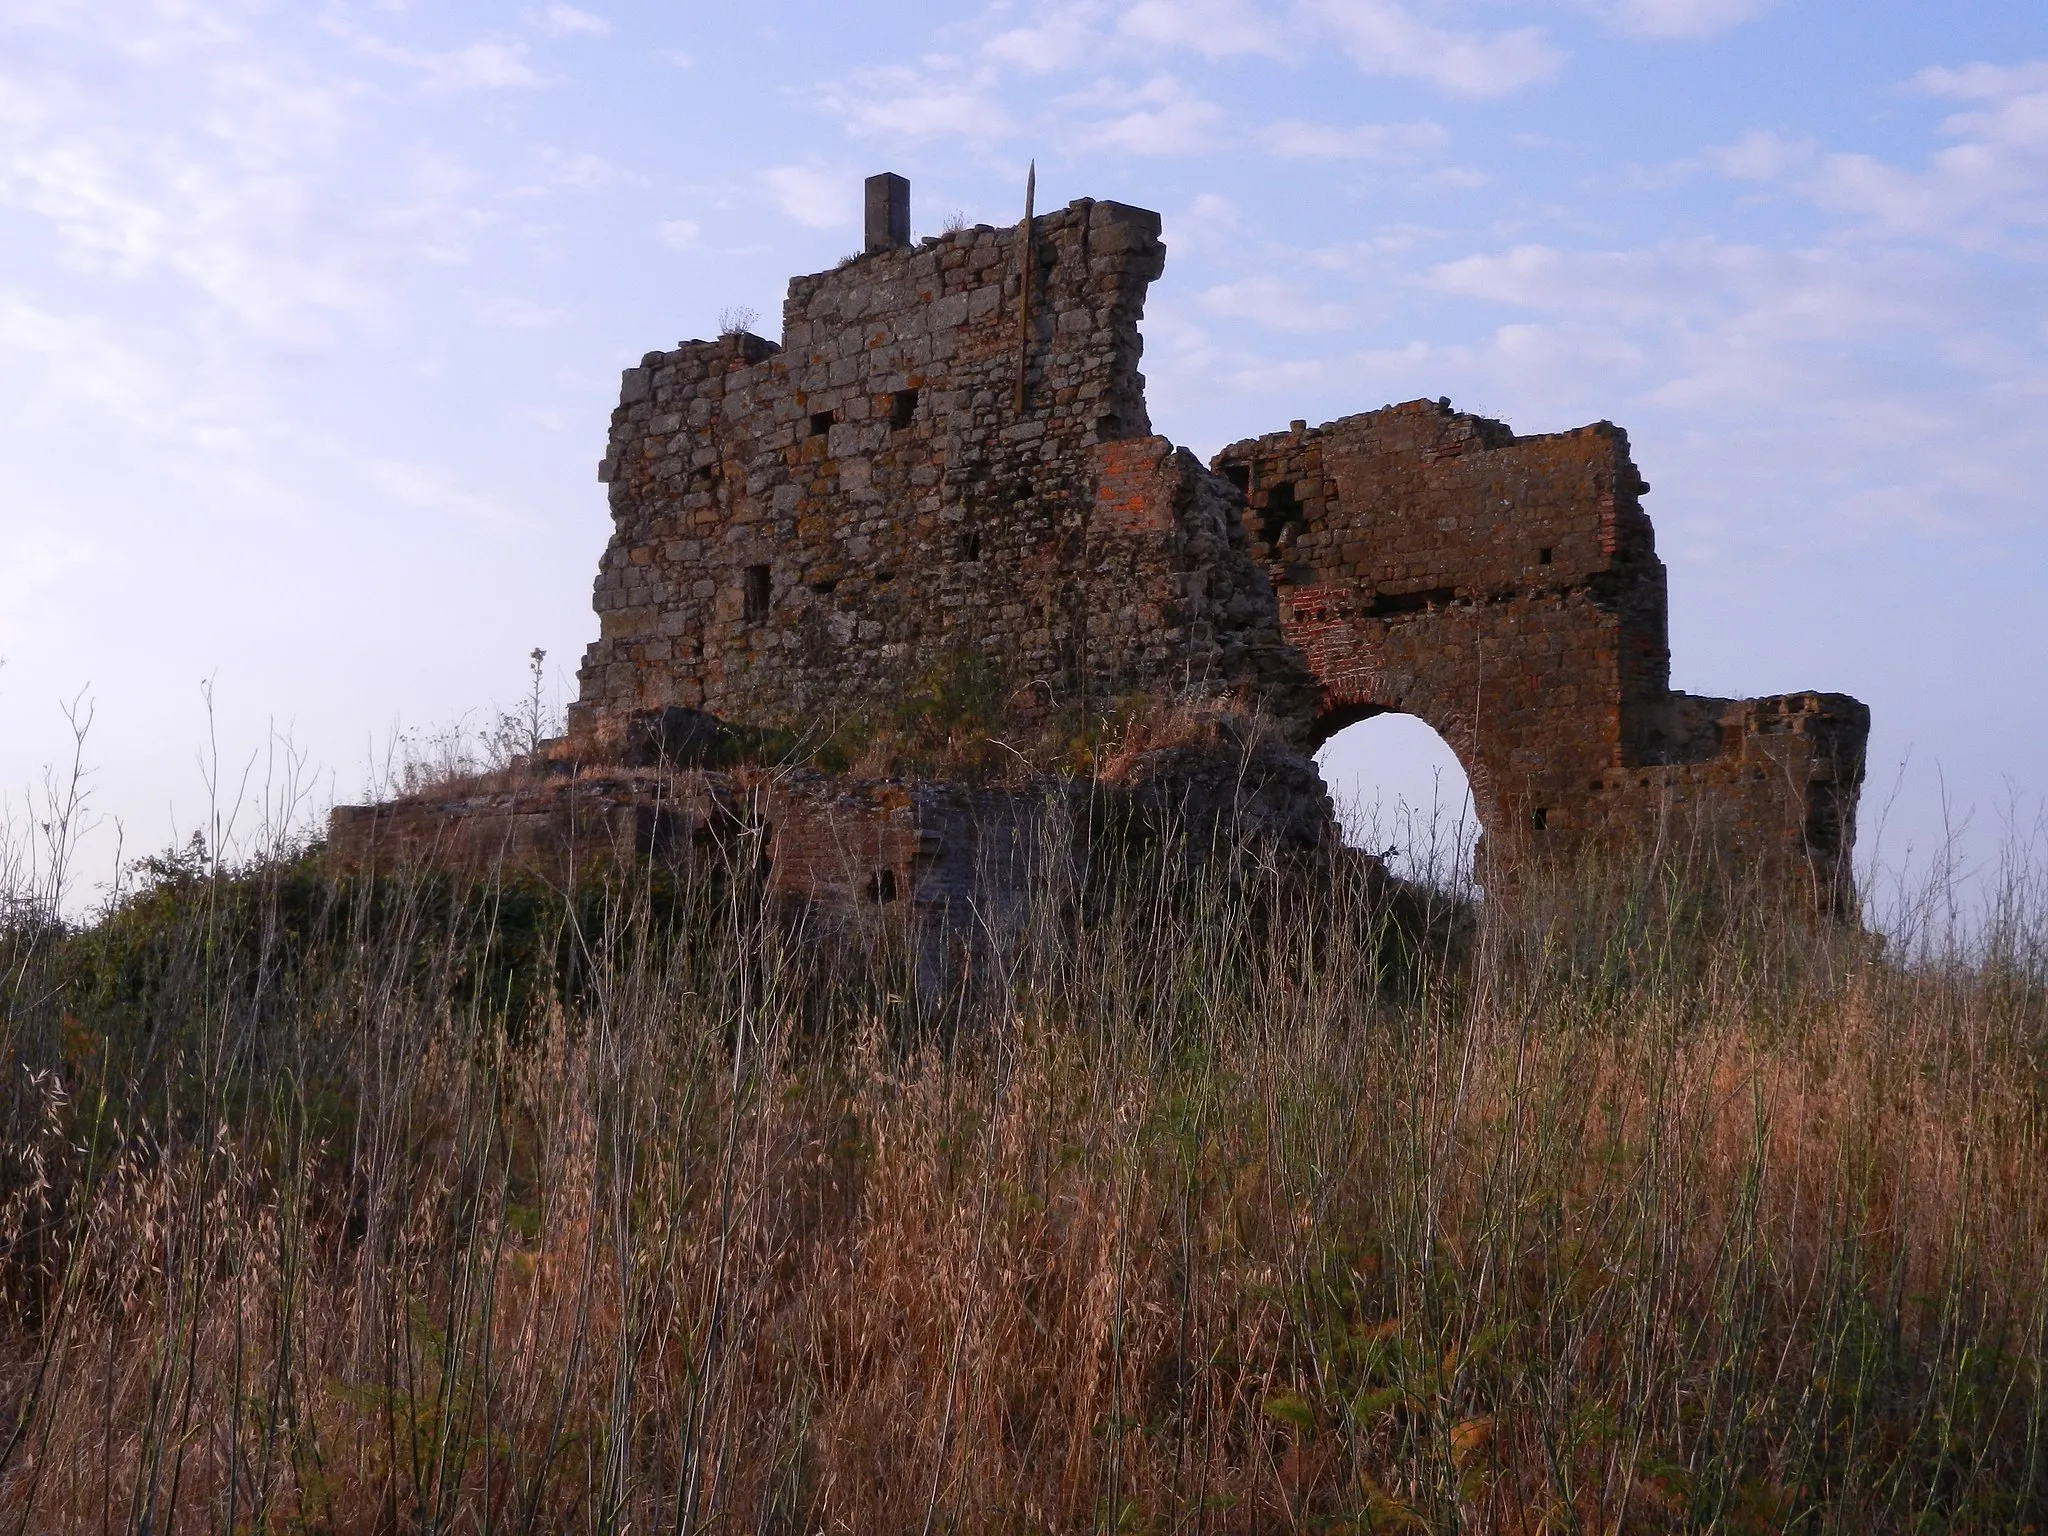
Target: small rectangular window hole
[(1540, 817), (754, 592), (970, 546), (821, 423), (902, 407), (882, 888), (1543, 556)]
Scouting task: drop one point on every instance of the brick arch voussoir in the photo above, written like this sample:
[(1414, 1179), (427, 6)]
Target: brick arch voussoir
[(1343, 707)]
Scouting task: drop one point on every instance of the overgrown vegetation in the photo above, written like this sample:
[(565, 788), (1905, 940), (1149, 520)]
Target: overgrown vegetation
[(1204, 1201)]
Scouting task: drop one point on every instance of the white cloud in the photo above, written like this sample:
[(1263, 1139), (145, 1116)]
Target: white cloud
[(490, 64), (1761, 156), (239, 194), (1984, 82), (938, 98), (585, 172), (1270, 301), (433, 488), (1058, 37), (1210, 219), (1990, 190), (567, 21), (1384, 143), (679, 234), (1815, 295), (1677, 18), (1164, 117), (819, 199), (1216, 29), (1385, 38)]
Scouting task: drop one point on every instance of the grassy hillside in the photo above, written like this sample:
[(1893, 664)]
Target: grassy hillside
[(1210, 1202)]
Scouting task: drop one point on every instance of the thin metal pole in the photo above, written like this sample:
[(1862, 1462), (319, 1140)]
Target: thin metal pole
[(1029, 264)]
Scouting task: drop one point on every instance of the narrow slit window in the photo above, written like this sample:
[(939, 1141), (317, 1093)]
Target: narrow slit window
[(882, 888), (902, 409), (970, 546), (754, 593), (1543, 556), (821, 423), (1540, 817)]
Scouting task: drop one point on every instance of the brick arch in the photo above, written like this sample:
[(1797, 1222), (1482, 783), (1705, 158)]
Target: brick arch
[(1506, 591), (1452, 726)]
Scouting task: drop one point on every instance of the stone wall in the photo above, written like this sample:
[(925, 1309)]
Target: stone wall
[(803, 532), (1507, 591)]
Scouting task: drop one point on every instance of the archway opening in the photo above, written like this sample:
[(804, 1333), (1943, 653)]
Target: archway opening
[(1401, 793)]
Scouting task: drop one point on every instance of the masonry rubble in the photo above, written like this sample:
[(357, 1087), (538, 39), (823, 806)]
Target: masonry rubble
[(943, 485)]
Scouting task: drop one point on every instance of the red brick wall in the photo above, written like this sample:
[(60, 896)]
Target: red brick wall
[(1507, 591)]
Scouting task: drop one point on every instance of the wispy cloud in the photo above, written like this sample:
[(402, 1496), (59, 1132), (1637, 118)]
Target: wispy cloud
[(1163, 116), (1990, 189), (489, 64), (1677, 18), (1215, 29), (938, 97), (434, 488), (1059, 36), (1383, 143), (1270, 301), (818, 198), (1385, 38), (243, 195), (560, 20)]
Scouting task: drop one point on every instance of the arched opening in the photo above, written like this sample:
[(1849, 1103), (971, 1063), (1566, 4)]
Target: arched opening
[(1401, 793)]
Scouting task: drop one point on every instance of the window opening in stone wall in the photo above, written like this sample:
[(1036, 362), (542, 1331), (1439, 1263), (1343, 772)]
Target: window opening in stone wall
[(1539, 819), (883, 578), (882, 888), (902, 408), (1388, 605), (1543, 556), (1402, 794), (754, 593), (821, 423), (1239, 475), (1283, 508), (970, 546)]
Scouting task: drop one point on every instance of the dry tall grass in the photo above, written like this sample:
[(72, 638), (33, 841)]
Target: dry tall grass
[(1208, 1203)]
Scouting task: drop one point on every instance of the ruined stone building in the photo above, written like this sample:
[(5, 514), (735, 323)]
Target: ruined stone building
[(947, 463)]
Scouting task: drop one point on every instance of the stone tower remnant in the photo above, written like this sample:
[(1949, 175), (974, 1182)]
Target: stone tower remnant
[(806, 534)]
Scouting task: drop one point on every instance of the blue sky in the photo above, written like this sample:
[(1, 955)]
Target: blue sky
[(311, 315)]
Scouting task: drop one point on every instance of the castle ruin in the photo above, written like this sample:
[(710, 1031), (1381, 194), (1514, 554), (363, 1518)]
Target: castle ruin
[(946, 471)]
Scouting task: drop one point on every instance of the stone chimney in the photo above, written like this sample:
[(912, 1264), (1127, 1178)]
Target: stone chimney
[(888, 206)]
